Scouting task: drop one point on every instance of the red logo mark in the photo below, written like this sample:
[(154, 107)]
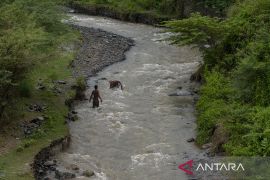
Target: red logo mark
[(188, 170)]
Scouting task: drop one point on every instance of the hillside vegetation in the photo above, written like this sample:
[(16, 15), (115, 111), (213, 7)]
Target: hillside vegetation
[(33, 41), (168, 8), (235, 94), (31, 34)]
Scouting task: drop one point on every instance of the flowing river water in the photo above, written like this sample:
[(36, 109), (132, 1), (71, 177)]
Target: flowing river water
[(140, 133)]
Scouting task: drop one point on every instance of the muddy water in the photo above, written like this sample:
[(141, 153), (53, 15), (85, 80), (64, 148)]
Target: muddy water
[(139, 133)]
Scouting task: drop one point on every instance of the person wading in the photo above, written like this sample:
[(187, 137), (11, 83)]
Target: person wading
[(95, 96)]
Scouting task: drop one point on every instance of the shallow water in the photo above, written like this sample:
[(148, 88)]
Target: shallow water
[(139, 133)]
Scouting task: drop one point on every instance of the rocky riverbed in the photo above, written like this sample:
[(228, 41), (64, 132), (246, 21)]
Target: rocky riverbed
[(98, 50)]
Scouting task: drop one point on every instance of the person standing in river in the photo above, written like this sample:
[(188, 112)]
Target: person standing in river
[(96, 97)]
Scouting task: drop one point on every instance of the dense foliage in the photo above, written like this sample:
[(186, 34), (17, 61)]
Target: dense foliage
[(31, 32), (236, 91), (175, 8), (219, 5)]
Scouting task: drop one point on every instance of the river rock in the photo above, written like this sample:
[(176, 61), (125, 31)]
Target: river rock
[(31, 126), (40, 118), (61, 82), (40, 171), (207, 146), (40, 86), (191, 140), (49, 163), (64, 175), (37, 121), (103, 79), (57, 90), (72, 117), (36, 108), (75, 112), (180, 88), (71, 11), (168, 78), (74, 167), (88, 173), (173, 94)]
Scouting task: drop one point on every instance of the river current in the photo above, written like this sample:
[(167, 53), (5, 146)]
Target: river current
[(139, 133)]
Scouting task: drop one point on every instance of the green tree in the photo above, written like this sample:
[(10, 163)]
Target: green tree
[(238, 49), (31, 31)]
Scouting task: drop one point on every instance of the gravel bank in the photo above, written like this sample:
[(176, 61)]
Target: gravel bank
[(98, 50)]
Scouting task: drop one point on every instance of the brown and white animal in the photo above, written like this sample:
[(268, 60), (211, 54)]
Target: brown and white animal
[(115, 84)]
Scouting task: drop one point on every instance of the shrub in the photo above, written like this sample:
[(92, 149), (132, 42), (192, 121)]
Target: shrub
[(70, 97), (25, 88), (214, 106), (80, 88), (29, 142), (5, 85), (81, 83)]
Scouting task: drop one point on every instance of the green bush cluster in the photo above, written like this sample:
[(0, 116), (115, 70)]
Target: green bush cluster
[(236, 74), (31, 32), (80, 87)]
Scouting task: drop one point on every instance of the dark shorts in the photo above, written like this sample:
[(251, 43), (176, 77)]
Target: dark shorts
[(95, 103)]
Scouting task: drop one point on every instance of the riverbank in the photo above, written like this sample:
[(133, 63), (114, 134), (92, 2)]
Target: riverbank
[(147, 12), (120, 14), (36, 120), (234, 105), (97, 50), (35, 81)]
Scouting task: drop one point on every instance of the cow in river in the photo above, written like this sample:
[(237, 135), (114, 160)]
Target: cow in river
[(116, 84)]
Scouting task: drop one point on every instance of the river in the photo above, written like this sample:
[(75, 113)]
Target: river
[(140, 133)]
